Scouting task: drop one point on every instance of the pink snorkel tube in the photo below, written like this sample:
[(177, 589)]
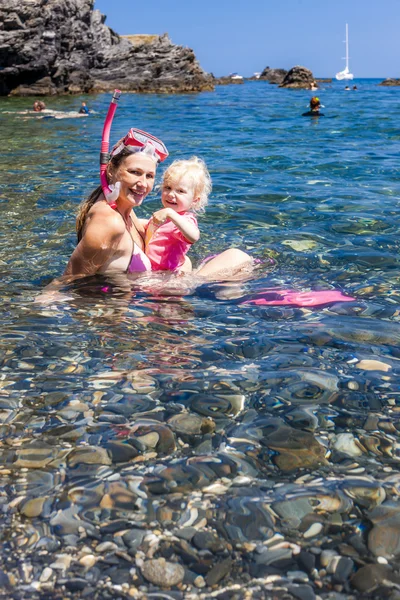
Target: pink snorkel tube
[(110, 194)]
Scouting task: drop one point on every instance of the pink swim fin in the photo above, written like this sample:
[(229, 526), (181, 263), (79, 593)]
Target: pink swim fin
[(293, 298)]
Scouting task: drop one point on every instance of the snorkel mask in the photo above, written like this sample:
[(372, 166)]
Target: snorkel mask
[(135, 140)]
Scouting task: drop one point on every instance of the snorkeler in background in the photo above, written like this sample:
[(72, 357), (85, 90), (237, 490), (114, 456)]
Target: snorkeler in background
[(84, 109), (172, 230), (315, 105), (38, 106)]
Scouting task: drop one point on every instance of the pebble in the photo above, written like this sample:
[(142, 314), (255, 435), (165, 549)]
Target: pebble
[(163, 573), (326, 557), (46, 574), (302, 592), (88, 561), (219, 571), (369, 577), (106, 547), (341, 568), (199, 582), (346, 443), (299, 576), (33, 507), (314, 530), (373, 365), (62, 563), (76, 584)]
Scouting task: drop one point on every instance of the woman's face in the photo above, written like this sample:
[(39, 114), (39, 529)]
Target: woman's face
[(136, 175)]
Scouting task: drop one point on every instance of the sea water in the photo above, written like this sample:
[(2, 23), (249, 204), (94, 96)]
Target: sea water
[(241, 442)]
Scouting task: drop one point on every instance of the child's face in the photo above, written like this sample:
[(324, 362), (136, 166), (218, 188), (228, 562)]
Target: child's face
[(178, 193)]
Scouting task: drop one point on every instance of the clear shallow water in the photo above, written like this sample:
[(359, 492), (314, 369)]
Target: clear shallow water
[(162, 421)]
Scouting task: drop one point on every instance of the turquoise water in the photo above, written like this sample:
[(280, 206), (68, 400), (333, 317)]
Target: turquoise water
[(198, 411)]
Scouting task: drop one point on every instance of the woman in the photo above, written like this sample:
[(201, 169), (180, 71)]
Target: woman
[(111, 237)]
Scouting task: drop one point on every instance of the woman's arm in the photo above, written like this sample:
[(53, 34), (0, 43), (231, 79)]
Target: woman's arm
[(186, 226), (99, 243)]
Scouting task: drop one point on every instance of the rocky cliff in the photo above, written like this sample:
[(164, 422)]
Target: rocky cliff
[(63, 46)]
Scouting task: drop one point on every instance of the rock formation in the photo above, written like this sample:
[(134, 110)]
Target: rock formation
[(273, 75), (390, 82), (63, 46), (298, 77), (227, 80)]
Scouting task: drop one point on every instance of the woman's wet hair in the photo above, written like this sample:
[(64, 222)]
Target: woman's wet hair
[(112, 167), (195, 168)]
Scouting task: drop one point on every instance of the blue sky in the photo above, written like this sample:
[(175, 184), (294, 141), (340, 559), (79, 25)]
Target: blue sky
[(246, 36)]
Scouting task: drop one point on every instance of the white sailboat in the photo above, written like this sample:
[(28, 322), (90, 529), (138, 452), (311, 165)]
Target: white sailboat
[(345, 74)]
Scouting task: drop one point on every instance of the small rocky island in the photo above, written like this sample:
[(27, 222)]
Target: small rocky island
[(50, 47), (298, 78), (275, 76), (390, 82)]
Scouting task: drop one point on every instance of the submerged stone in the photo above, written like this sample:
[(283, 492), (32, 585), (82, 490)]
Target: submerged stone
[(163, 573)]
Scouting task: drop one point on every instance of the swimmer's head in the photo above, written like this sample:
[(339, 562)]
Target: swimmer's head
[(38, 106), (141, 141), (315, 102), (195, 170)]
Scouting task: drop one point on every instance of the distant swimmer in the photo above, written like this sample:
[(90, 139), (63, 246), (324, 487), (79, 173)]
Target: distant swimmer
[(38, 106), (315, 105), (313, 86), (355, 87), (347, 88), (84, 109)]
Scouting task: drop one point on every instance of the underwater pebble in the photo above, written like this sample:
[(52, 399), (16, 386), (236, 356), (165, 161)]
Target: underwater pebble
[(106, 547), (369, 577), (199, 582), (314, 530), (88, 561), (373, 365), (162, 573), (301, 592), (384, 538), (62, 563), (300, 245), (346, 443), (32, 508), (46, 574)]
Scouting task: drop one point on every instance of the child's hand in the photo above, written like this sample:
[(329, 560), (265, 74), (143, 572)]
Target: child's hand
[(160, 216)]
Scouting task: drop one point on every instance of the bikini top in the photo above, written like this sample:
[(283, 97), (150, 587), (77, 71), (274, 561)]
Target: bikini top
[(139, 262)]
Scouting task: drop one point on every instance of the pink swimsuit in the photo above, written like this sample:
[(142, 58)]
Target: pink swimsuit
[(166, 246), (139, 261)]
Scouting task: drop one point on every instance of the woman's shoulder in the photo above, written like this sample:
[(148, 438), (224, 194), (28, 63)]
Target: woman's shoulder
[(104, 219)]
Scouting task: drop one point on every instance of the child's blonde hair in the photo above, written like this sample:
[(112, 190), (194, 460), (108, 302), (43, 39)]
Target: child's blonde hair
[(198, 173)]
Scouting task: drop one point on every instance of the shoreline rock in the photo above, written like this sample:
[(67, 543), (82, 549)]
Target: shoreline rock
[(52, 47), (298, 78)]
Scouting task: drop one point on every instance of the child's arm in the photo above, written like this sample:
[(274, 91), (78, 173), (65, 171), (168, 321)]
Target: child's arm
[(186, 226)]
